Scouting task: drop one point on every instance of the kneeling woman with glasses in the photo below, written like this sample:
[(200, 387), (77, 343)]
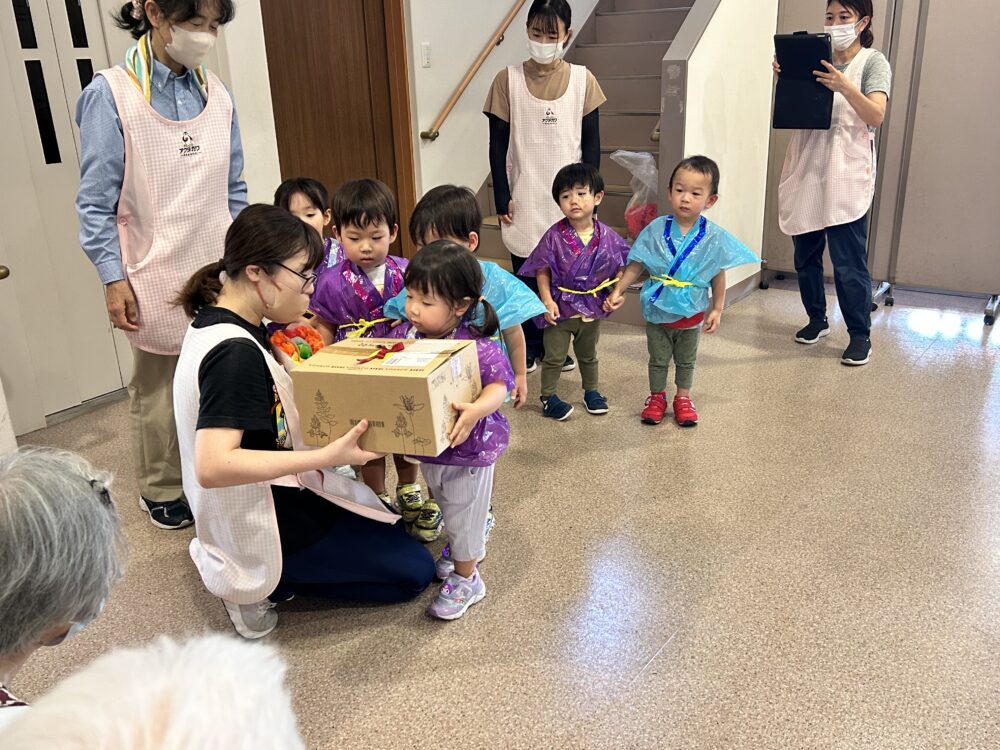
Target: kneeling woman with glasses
[(272, 518)]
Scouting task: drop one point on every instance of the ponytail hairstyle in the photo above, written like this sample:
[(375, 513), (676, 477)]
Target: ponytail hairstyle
[(133, 19), (262, 235), (449, 271), (864, 9)]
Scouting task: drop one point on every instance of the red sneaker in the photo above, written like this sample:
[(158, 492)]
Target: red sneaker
[(656, 407), (684, 412)]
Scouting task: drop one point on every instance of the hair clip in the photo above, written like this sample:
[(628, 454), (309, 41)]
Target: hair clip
[(102, 492)]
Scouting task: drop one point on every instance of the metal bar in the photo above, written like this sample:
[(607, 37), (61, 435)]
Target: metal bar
[(893, 10), (494, 42), (911, 116)]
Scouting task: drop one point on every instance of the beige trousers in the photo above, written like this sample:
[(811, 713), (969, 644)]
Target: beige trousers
[(154, 433)]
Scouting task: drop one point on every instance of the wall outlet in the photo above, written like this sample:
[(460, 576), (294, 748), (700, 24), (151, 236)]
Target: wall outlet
[(425, 54)]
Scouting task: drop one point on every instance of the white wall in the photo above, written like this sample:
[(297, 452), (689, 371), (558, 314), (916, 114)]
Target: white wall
[(457, 30), (242, 64), (729, 112), (7, 442)]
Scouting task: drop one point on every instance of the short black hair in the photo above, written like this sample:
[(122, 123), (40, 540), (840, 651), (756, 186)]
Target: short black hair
[(701, 164), (549, 13), (312, 189), (176, 10), (447, 211), (364, 203), (451, 272), (580, 174)]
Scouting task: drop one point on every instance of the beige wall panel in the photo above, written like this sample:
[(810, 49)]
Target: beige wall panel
[(949, 238)]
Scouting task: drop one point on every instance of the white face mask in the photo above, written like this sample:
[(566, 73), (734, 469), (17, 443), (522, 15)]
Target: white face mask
[(546, 54), (842, 36), (190, 48)]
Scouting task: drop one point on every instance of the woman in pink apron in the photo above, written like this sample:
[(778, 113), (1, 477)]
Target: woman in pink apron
[(272, 518), (543, 115), (828, 181), (160, 181)]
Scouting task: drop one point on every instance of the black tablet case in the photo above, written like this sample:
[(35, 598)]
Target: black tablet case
[(800, 101)]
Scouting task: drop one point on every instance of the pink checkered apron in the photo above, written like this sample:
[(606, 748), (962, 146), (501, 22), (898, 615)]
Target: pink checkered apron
[(174, 207), (544, 138), (829, 175), (237, 549)]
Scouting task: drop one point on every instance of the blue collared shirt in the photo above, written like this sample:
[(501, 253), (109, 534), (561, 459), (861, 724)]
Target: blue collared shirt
[(102, 160)]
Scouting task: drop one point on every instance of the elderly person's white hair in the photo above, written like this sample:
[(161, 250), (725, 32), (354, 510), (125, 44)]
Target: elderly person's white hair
[(211, 692), (61, 545)]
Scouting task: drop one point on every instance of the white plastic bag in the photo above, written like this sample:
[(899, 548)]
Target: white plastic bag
[(642, 206)]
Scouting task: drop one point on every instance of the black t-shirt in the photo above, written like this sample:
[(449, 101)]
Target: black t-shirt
[(238, 392)]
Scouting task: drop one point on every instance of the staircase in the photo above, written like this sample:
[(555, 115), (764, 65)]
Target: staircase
[(623, 44)]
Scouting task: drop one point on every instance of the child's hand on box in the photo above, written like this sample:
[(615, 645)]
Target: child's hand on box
[(468, 415), (345, 451)]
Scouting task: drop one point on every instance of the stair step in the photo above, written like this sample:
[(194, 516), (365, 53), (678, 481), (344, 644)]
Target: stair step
[(639, 25), (627, 127), (631, 92), (622, 6), (622, 58)]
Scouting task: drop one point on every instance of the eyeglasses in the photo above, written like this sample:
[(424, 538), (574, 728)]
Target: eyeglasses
[(308, 279)]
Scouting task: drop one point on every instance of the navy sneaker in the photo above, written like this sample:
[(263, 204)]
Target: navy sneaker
[(171, 515), (858, 352), (813, 332), (595, 402), (555, 408)]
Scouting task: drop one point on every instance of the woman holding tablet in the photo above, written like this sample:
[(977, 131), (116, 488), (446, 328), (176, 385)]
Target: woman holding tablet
[(828, 180)]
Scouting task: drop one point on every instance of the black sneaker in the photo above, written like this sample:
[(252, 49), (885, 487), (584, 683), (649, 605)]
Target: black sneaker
[(174, 514), (813, 332), (555, 408), (569, 365), (532, 365), (858, 352)]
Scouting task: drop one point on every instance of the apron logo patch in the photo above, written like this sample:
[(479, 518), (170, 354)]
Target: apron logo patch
[(188, 146), (550, 117)]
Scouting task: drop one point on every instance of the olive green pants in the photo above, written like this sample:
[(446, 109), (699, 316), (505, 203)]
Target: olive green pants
[(664, 344), (557, 338)]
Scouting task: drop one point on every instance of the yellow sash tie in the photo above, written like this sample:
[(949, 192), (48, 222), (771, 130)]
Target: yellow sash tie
[(594, 291), (362, 327), (671, 281)]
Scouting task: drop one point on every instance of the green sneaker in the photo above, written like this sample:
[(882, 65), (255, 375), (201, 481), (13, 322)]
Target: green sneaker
[(410, 500), (427, 528), (387, 501)]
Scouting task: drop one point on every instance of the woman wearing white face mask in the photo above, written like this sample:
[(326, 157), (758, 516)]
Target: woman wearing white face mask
[(543, 115), (828, 180), (54, 502), (160, 182)]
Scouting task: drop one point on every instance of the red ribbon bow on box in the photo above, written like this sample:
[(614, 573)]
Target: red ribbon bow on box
[(383, 352)]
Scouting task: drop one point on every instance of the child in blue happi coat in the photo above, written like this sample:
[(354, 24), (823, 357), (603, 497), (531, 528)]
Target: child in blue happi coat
[(685, 255)]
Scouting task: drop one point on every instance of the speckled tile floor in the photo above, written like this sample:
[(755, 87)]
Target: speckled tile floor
[(816, 565)]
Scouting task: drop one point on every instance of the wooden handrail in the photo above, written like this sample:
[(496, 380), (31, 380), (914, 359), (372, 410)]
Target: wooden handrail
[(495, 41)]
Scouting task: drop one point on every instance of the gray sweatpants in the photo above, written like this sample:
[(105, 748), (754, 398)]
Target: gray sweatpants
[(463, 492)]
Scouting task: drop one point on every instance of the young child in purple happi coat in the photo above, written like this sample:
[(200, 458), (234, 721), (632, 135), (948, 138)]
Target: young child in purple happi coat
[(443, 285), (348, 303), (576, 263)]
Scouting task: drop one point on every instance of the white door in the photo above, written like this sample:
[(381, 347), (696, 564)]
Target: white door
[(54, 318)]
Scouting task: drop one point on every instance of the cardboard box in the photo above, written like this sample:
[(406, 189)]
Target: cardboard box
[(405, 395)]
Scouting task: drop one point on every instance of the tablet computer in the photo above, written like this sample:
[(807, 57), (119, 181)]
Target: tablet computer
[(800, 101)]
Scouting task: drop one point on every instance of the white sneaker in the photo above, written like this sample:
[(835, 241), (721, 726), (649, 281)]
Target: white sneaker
[(252, 621)]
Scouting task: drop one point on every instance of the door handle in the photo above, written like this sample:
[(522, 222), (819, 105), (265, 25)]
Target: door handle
[(4, 272)]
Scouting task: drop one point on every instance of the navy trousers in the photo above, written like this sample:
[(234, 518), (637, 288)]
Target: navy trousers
[(848, 245)]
